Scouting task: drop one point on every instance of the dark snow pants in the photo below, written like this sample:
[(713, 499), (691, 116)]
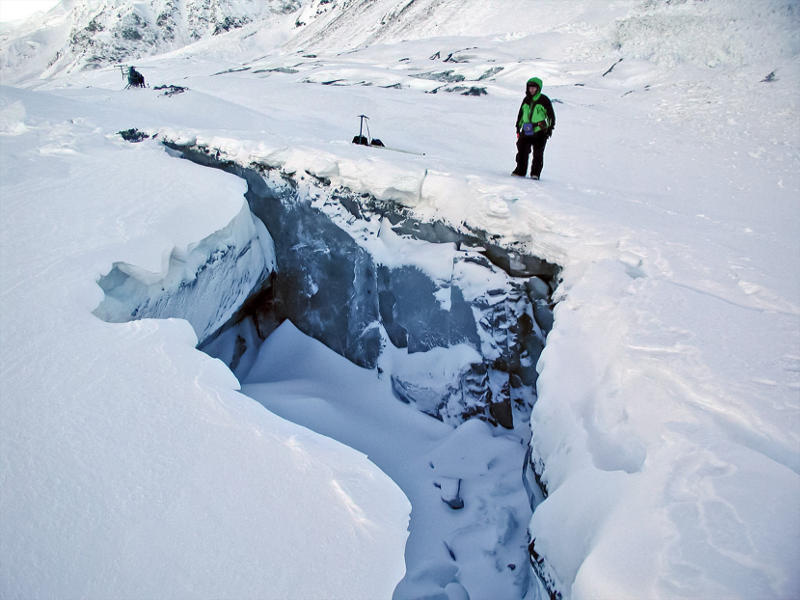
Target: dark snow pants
[(537, 141)]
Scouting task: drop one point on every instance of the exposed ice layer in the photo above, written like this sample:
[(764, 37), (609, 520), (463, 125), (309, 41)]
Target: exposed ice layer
[(346, 281), (413, 315), (204, 283), (514, 262)]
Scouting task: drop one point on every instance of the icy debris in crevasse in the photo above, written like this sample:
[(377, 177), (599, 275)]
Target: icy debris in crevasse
[(204, 284), (451, 492)]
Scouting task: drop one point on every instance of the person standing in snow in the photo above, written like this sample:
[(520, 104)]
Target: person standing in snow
[(535, 123), (135, 79)]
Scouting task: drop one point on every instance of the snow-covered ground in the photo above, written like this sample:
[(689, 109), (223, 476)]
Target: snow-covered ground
[(130, 466), (668, 418)]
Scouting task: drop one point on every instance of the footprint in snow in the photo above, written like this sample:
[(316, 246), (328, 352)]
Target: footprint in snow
[(498, 207)]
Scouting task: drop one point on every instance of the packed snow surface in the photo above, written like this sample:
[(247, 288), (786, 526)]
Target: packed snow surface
[(667, 425)]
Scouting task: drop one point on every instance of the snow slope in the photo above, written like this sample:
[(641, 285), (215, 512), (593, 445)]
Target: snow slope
[(131, 468), (666, 428)]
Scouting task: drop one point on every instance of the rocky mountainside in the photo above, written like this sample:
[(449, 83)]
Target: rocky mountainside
[(88, 34)]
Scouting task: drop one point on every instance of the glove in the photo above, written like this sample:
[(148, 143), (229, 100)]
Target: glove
[(550, 132)]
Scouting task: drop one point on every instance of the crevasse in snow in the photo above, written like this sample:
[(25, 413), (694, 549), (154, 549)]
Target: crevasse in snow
[(457, 336), (667, 410), (356, 274)]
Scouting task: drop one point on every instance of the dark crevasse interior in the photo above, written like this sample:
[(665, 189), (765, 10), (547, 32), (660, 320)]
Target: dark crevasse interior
[(332, 289)]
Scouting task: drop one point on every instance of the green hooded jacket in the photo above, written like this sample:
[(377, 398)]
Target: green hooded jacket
[(536, 109)]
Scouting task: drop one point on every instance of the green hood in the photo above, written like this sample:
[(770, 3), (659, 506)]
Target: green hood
[(538, 82)]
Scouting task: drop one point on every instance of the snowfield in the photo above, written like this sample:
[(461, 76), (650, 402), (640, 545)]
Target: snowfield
[(667, 425), (131, 467)]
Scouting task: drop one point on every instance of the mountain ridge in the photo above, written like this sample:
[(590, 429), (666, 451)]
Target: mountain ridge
[(91, 34)]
